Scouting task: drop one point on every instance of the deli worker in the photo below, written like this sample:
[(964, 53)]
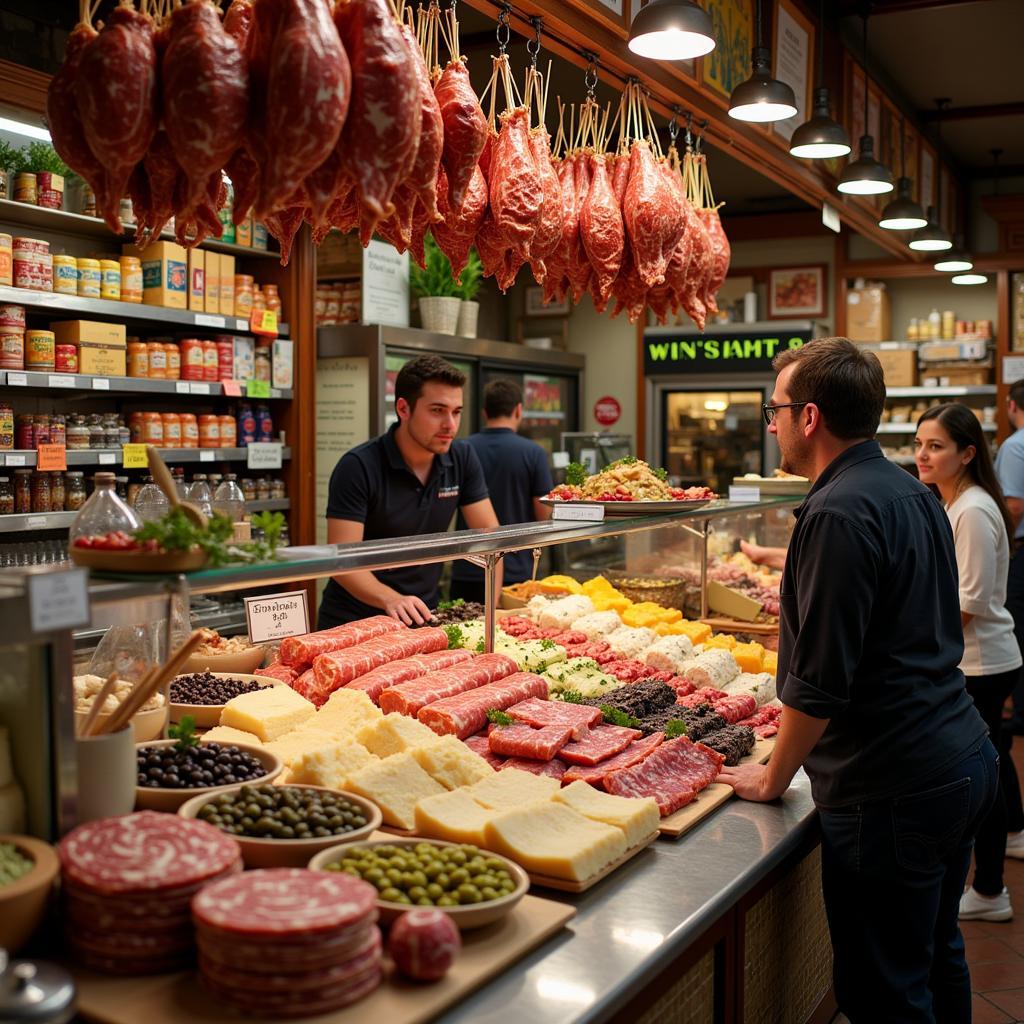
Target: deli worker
[(407, 482)]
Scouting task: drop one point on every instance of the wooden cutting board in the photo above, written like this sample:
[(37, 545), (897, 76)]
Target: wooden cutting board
[(181, 999), (567, 885)]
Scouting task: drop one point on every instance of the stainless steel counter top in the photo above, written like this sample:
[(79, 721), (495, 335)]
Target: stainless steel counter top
[(638, 920)]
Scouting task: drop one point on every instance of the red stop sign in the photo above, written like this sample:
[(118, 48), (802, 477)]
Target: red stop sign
[(607, 411)]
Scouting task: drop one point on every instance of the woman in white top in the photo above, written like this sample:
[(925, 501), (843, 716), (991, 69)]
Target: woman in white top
[(953, 457)]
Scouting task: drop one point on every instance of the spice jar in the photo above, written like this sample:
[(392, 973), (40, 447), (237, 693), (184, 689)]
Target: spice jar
[(248, 486), (259, 300), (210, 360), (42, 430), (209, 431), (77, 434), (89, 278), (6, 257), (23, 490), (189, 430), (263, 360), (65, 274), (111, 431), (24, 432), (6, 426), (157, 360), (135, 427), (153, 429), (243, 295), (97, 439), (65, 358), (58, 430), (262, 489), (273, 300), (172, 429), (131, 279), (26, 189), (74, 491), (138, 359), (40, 351), (228, 432), (57, 492), (191, 355), (6, 496), (110, 280), (12, 348), (277, 491), (40, 492)]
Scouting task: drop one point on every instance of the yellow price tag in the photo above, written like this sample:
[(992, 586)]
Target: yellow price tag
[(264, 321), (134, 456)]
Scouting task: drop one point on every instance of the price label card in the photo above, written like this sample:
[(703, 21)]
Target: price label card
[(264, 455), (181, 387), (17, 380), (232, 387), (61, 380), (14, 460), (134, 456), (108, 458), (277, 616), (257, 388), (100, 384), (195, 388), (205, 320), (58, 600), (51, 458), (207, 456), (739, 493), (264, 321), (578, 513), (35, 523)]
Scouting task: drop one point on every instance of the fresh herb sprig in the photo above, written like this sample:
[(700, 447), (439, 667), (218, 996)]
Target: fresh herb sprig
[(674, 728), (661, 473), (174, 531), (616, 717), (185, 733), (455, 636), (571, 697), (576, 474), (498, 717)]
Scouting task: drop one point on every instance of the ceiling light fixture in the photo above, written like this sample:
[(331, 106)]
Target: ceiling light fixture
[(820, 138), (761, 98), (970, 279), (671, 30), (865, 176), (902, 213), (956, 261), (933, 237)]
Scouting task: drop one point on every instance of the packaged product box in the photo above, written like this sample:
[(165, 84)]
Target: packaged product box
[(227, 285), (90, 332), (281, 368), (958, 376), (245, 358), (103, 360), (243, 232), (868, 313), (339, 255), (197, 280), (211, 302), (899, 363), (950, 351), (164, 274)]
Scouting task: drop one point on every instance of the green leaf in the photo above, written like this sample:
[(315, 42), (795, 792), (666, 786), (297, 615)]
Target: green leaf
[(13, 160), (616, 717), (480, 647), (571, 697), (435, 278), (547, 644), (41, 156), (675, 727), (576, 474), (185, 733), (661, 473), (498, 717), (455, 636)]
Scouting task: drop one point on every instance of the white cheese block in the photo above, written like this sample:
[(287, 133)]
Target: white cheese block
[(346, 712), (583, 675), (454, 817), (598, 625), (637, 818), (395, 785), (669, 653), (330, 765), (292, 745), (760, 684), (267, 713), (227, 736), (394, 734), (630, 641), (714, 666), (564, 611), (531, 655), (513, 788), (450, 762)]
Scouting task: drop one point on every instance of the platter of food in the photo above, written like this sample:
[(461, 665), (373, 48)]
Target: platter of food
[(204, 694), (135, 559), (626, 507)]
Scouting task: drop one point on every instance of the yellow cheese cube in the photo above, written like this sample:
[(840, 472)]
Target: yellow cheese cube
[(395, 785), (723, 640), (595, 585), (329, 765), (454, 817), (749, 657), (267, 713), (552, 839), (513, 788), (292, 745), (611, 604), (394, 734), (346, 712), (698, 632), (770, 662), (224, 734), (556, 583), (637, 616), (450, 762), (638, 819)]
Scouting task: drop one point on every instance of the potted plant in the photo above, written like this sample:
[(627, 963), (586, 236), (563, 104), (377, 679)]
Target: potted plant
[(12, 162), (50, 171), (436, 290), (467, 290)]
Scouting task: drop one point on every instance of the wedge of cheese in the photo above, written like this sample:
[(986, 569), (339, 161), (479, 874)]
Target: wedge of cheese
[(450, 762), (292, 745), (454, 817), (513, 788), (268, 713), (394, 734), (346, 712), (331, 765), (551, 838), (637, 818), (227, 736), (395, 784)]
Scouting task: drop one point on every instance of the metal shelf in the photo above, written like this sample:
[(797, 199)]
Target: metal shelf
[(124, 385), (78, 224), (909, 428), (113, 457), (136, 312), (950, 391)]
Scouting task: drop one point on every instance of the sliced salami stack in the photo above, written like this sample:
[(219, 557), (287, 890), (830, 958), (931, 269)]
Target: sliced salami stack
[(408, 698), (394, 673), (299, 651), (127, 884), (288, 942)]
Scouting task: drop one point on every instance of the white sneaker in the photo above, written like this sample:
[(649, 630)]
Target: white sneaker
[(975, 907), (1015, 845)]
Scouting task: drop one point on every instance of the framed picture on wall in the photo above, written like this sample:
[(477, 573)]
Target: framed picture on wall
[(797, 292), (926, 164), (533, 303), (728, 63)]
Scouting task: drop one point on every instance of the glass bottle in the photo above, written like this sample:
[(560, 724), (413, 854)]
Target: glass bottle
[(199, 494), (151, 503), (103, 512), (6, 496), (228, 500)]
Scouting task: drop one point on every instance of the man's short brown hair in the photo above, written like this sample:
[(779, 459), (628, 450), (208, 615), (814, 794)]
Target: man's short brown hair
[(842, 379), (501, 398), (422, 370)]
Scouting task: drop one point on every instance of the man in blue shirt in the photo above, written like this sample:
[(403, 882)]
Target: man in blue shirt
[(517, 475)]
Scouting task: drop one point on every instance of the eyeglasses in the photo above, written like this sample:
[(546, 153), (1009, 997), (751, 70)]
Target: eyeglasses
[(769, 411)]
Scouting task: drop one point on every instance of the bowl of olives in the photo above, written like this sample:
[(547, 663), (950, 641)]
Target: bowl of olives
[(473, 886), (283, 826)]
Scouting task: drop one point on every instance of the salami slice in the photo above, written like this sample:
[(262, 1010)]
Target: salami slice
[(673, 774), (278, 670), (635, 753), (340, 667), (551, 712), (524, 741), (482, 745), (736, 707), (604, 742), (334, 998), (408, 698), (299, 651), (394, 673), (466, 713)]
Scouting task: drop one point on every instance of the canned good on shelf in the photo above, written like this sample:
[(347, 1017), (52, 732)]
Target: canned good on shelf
[(40, 350), (65, 274), (110, 280), (138, 359), (89, 278), (66, 358), (12, 348), (12, 316), (131, 279), (6, 260), (26, 189)]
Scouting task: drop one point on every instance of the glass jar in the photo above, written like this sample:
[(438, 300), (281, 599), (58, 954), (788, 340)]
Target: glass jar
[(209, 431), (89, 278), (273, 300), (157, 360), (110, 280), (263, 360), (228, 432), (58, 430), (24, 432), (74, 490), (172, 429), (57, 492), (23, 490), (97, 439), (40, 492), (42, 430), (259, 300), (277, 491), (124, 435), (243, 295), (111, 431), (262, 489), (153, 429), (249, 488), (173, 360), (191, 357), (6, 496), (138, 359), (189, 430), (131, 279), (199, 494), (6, 426), (135, 427), (150, 502), (104, 511)]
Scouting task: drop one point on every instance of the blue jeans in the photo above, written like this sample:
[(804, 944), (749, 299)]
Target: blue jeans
[(892, 875)]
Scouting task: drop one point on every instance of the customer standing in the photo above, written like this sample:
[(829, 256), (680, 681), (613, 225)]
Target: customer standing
[(952, 456), (901, 768), (517, 474)]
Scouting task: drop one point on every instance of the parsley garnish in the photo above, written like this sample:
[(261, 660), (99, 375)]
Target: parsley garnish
[(661, 473), (479, 647), (499, 717), (575, 474), (571, 697), (547, 644), (185, 733), (455, 635), (675, 727), (617, 717)]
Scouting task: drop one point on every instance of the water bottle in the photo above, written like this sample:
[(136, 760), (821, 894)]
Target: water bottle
[(151, 503), (199, 494), (104, 512), (228, 499)]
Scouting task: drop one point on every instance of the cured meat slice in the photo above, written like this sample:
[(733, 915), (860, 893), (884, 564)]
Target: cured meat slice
[(286, 673), (299, 651), (539, 713), (673, 774), (601, 231), (524, 741), (636, 752), (340, 667), (456, 230), (466, 713), (376, 681), (144, 852), (408, 698), (701, 264), (553, 769), (481, 745), (465, 130), (736, 707), (284, 901), (603, 742), (704, 695), (296, 1004)]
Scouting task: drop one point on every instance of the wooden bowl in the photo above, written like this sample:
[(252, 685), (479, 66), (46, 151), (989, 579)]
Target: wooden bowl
[(208, 715), (169, 800), (290, 853), (23, 903), (247, 661), (147, 725), (138, 561), (474, 915)]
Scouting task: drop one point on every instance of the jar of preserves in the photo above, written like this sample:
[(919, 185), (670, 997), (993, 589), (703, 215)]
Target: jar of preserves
[(12, 316), (189, 430), (157, 360), (248, 486), (259, 300), (6, 496), (263, 360), (262, 489), (40, 492), (77, 434), (6, 256), (228, 432), (89, 278), (25, 188), (111, 431), (277, 491), (273, 299), (65, 274), (191, 359), (42, 430), (135, 427), (173, 361), (57, 492), (23, 490), (225, 359), (24, 432), (58, 430), (138, 359), (110, 280), (209, 431), (243, 295), (153, 429), (210, 360), (172, 430), (65, 358), (40, 350), (74, 490), (6, 426), (97, 438), (12, 348), (131, 279)]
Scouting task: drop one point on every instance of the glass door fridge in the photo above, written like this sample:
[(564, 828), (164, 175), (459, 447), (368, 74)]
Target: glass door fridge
[(550, 402)]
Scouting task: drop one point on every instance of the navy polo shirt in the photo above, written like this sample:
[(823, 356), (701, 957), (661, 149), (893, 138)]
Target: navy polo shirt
[(516, 471), (372, 485)]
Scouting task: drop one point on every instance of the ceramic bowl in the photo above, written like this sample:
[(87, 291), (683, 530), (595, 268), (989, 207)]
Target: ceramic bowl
[(23, 902), (146, 725), (238, 661), (208, 715)]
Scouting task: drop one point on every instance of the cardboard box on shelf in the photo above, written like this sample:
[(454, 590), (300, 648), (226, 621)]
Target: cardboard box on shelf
[(197, 279), (868, 313), (103, 360), (164, 274), (958, 376), (211, 301), (227, 285), (245, 358), (899, 362), (77, 332), (339, 255), (948, 351), (282, 375)]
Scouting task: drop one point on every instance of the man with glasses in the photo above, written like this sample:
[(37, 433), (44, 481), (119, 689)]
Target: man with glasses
[(875, 707)]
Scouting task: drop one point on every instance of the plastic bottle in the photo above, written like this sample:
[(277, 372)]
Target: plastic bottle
[(151, 503), (199, 494), (935, 324), (264, 423), (228, 500), (103, 512)]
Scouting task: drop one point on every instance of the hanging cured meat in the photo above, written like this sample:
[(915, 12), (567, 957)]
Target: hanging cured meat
[(422, 179), (455, 232), (556, 283), (516, 191), (579, 270), (651, 215), (700, 268), (722, 253), (240, 167), (601, 231)]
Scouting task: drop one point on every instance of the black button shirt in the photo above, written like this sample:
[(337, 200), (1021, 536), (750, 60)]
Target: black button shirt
[(372, 485), (870, 634)]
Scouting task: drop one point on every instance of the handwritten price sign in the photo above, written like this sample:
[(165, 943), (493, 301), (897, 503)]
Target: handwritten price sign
[(277, 616)]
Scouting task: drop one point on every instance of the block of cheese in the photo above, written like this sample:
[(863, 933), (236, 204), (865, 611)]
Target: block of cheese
[(454, 817), (292, 745), (770, 662), (637, 818), (749, 657), (329, 765), (226, 735), (394, 734), (551, 838), (267, 713), (346, 712), (513, 788), (395, 785), (725, 640), (452, 763)]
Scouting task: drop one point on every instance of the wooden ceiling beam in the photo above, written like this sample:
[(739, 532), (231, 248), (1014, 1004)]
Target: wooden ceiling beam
[(758, 227), (849, 8), (973, 113)]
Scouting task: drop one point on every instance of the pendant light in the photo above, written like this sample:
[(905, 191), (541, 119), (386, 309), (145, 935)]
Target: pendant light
[(956, 261), (761, 98), (932, 237), (671, 30), (865, 176), (820, 138), (970, 279), (902, 213)]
